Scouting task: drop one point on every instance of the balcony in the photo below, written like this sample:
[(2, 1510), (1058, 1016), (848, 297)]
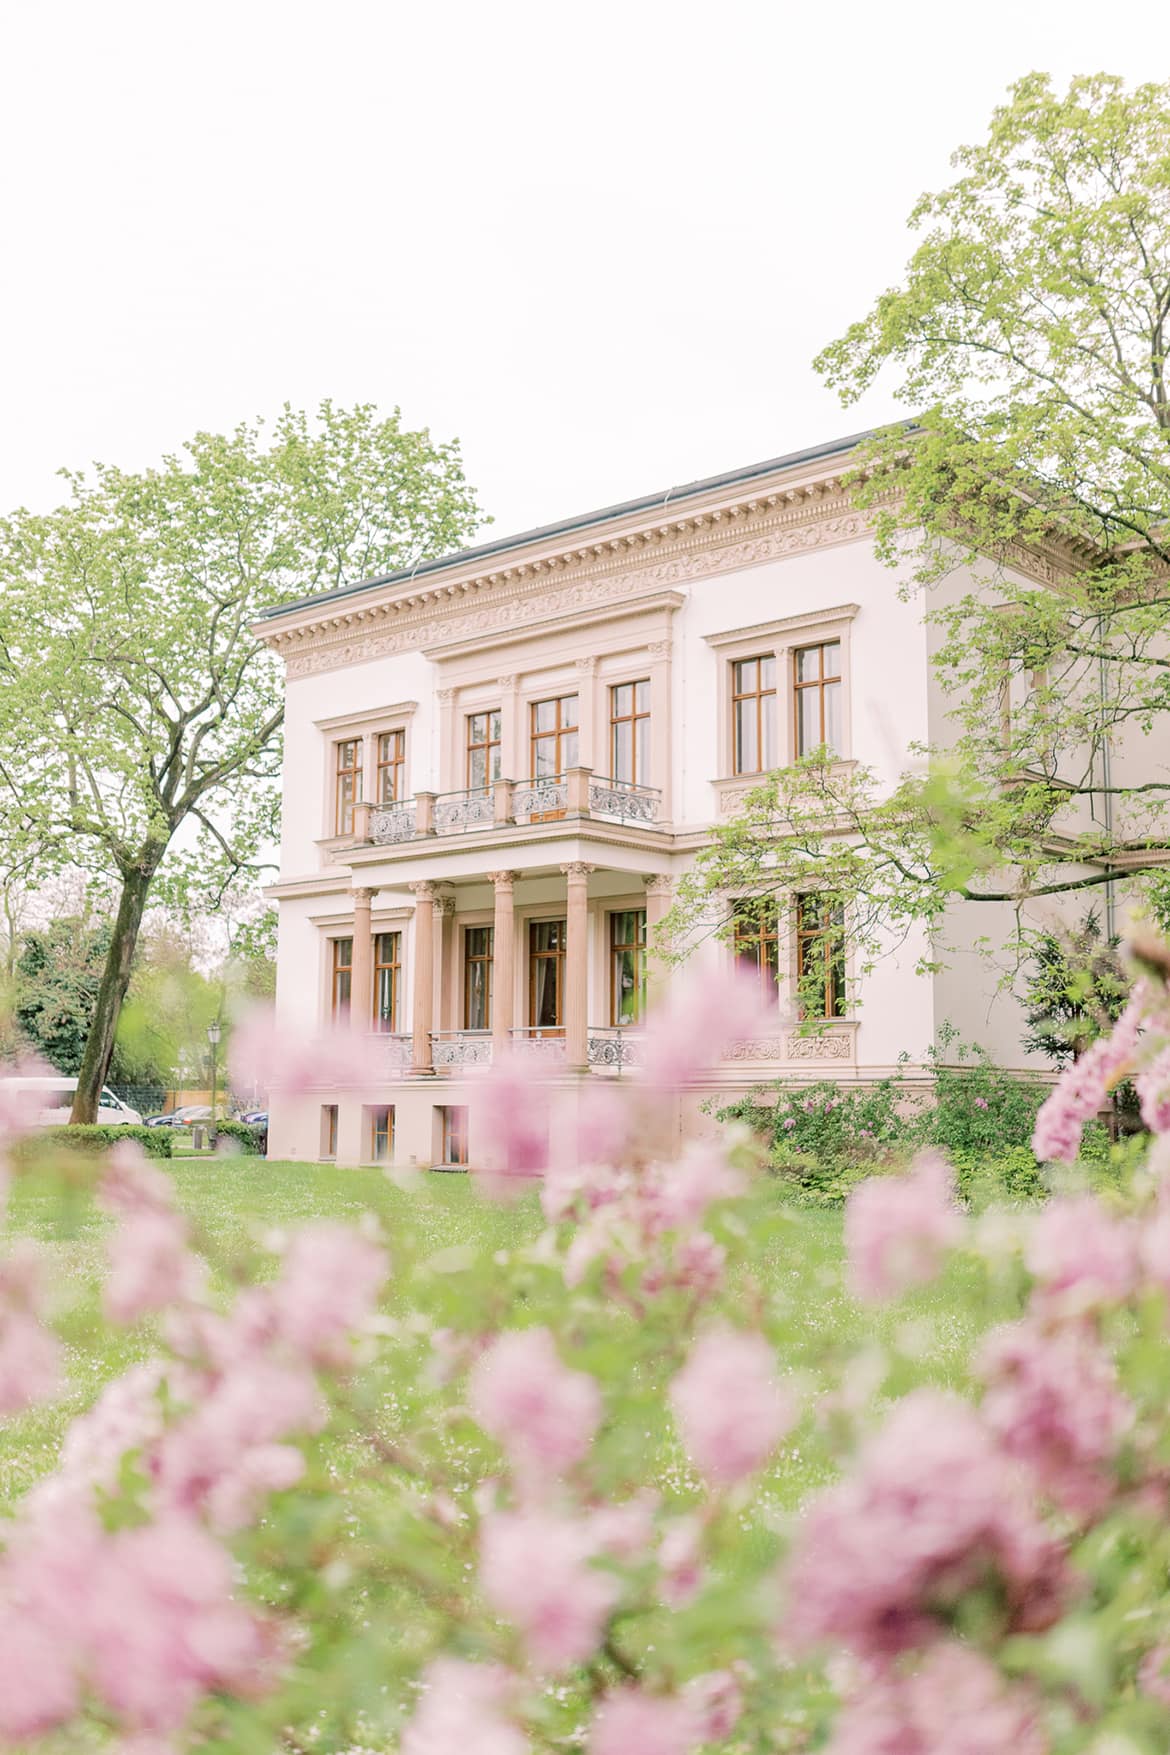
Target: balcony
[(614, 1047), (460, 1048), (507, 804)]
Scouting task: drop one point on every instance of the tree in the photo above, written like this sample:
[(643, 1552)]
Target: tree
[(1029, 505), (1076, 990), (139, 717)]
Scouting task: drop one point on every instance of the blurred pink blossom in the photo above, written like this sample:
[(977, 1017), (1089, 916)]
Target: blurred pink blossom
[(1054, 1401), (930, 1509), (130, 1184), (953, 1703), (512, 1110), (329, 1286), (535, 1571), (1154, 1674), (1153, 1089), (679, 1193), (729, 1405), (462, 1711), (631, 1722), (39, 1686), (1082, 1088), (716, 1700), (150, 1265), (30, 1354), (898, 1229), (1080, 1254), (703, 1014), (680, 1561), (270, 1058), (544, 1414)]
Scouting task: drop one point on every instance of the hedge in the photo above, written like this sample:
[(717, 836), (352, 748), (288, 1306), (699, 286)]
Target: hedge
[(99, 1136), (247, 1136)]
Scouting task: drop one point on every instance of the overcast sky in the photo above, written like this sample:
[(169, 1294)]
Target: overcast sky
[(598, 243)]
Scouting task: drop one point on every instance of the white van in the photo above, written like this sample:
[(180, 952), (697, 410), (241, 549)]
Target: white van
[(56, 1095)]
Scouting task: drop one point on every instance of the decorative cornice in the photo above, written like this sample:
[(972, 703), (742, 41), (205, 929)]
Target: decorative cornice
[(789, 624), (747, 533)]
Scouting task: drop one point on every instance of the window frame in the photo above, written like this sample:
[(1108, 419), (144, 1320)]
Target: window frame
[(342, 807), (634, 718), (340, 971), (759, 694), (819, 684), (493, 769), (394, 966), (558, 734), (638, 947), (453, 1136), (479, 959), (396, 765), (766, 911), (829, 938), (556, 956)]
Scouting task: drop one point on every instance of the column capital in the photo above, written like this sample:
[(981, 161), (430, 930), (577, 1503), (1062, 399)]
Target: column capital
[(659, 648), (502, 880), (659, 886), (446, 695), (588, 664), (505, 682), (364, 896), (423, 888), (577, 870), (444, 904)]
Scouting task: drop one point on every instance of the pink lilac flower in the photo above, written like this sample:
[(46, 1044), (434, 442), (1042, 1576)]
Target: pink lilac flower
[(954, 1701), (535, 1571), (981, 1102), (1153, 1089), (930, 1509), (462, 1710), (626, 1531), (679, 1194), (1054, 1401), (328, 1287), (264, 1056), (898, 1229), (1082, 1088), (150, 1266), (704, 1013), (512, 1109), (130, 1184), (631, 1722), (1080, 1255), (544, 1414), (30, 1354), (716, 1700), (729, 1405), (39, 1686), (1154, 1674), (680, 1561)]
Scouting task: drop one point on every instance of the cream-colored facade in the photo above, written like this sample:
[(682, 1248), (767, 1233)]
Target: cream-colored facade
[(497, 767)]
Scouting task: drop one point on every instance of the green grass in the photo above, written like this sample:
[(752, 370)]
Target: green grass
[(817, 1326)]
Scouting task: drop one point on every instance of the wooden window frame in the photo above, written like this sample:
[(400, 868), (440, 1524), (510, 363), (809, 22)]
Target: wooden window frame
[(761, 929), (330, 1128), (759, 694), (340, 969), (559, 733), (557, 956), (489, 962), (826, 942), (343, 808), (819, 683), (633, 719), (453, 1154), (374, 1132), (486, 744), (639, 947), (395, 765), (394, 965)]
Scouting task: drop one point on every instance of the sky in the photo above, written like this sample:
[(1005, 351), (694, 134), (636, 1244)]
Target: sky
[(599, 244)]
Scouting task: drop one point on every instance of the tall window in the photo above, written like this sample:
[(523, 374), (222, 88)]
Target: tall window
[(483, 750), (816, 685), (387, 979), (391, 767), (820, 956), (756, 940), (342, 977), (753, 714), (629, 732), (477, 978), (453, 1136), (347, 783), (380, 1122), (329, 1130), (554, 736), (546, 975), (627, 966)]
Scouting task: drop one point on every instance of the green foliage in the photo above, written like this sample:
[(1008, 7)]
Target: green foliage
[(1076, 990), (247, 1138), (57, 975), (135, 698), (978, 1107), (1027, 341), (96, 1137)]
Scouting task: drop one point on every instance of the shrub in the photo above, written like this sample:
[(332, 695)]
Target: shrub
[(978, 1106), (246, 1136), (99, 1137)]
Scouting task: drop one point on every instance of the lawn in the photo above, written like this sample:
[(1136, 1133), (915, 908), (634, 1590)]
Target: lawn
[(817, 1324)]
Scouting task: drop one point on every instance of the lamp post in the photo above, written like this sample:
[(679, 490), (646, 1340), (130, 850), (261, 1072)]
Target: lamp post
[(213, 1034)]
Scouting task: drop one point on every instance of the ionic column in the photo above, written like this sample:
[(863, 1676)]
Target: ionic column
[(361, 979), (503, 962), (424, 975), (445, 961), (577, 965), (587, 752), (659, 896)]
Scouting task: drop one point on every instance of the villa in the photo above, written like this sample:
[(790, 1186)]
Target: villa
[(498, 764)]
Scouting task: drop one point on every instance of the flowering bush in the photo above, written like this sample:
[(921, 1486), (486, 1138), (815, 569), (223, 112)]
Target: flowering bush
[(598, 1491)]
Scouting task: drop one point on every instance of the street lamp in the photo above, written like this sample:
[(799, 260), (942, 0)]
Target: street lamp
[(213, 1035)]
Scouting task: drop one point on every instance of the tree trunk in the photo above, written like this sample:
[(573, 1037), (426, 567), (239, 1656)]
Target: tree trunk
[(99, 1044)]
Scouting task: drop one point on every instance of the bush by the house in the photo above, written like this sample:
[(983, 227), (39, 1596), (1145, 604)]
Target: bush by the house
[(246, 1136), (98, 1137)]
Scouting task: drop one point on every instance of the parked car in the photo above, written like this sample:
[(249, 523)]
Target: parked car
[(187, 1116), (51, 1099)]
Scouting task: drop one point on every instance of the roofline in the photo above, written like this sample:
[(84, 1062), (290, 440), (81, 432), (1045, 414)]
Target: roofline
[(586, 520)]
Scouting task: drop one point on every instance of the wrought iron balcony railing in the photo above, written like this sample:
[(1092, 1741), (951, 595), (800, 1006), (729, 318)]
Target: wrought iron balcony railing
[(461, 1048), (613, 1047), (456, 812), (541, 1041), (623, 799)]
